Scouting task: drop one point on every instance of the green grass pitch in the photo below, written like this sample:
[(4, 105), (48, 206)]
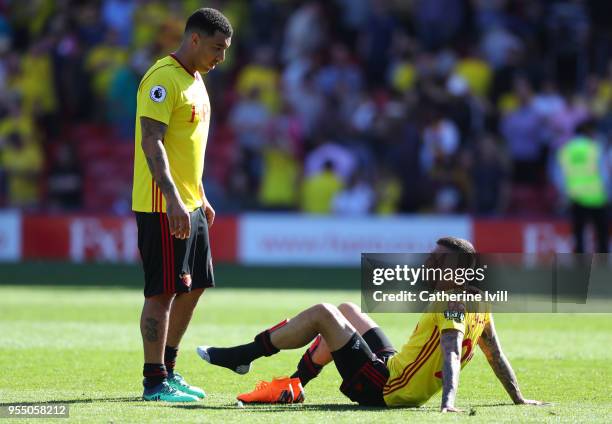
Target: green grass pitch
[(82, 346)]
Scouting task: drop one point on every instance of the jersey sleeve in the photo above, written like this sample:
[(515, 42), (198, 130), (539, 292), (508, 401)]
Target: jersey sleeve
[(450, 320), (157, 97)]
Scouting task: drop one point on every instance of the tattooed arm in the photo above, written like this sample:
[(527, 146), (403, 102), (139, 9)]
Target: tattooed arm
[(490, 346), (152, 135), (450, 342)]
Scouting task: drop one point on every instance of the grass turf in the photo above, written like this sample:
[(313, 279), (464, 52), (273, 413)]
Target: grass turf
[(82, 346)]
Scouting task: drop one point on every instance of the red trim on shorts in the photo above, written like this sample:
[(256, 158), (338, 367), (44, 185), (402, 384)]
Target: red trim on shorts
[(159, 200), (171, 270), (164, 254), (376, 377)]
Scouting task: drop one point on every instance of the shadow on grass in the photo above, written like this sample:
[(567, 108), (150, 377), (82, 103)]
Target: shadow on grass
[(287, 408), (333, 407), (489, 405), (75, 401)]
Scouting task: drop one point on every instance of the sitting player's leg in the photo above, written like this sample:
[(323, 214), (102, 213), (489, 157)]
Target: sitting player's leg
[(322, 319), (318, 354)]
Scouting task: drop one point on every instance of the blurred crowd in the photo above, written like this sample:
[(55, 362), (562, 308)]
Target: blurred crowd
[(347, 106)]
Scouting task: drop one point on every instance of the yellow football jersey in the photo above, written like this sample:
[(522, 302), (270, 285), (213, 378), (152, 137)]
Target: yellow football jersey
[(169, 93), (416, 371)]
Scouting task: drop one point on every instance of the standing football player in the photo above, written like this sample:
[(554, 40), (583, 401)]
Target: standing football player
[(172, 212)]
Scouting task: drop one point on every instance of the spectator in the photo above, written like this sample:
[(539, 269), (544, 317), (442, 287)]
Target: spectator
[(357, 197), (440, 140), (305, 32), (342, 159), (22, 160), (261, 74), (250, 119), (388, 193), (117, 15), (490, 174), (281, 170), (318, 190), (361, 73), (525, 136)]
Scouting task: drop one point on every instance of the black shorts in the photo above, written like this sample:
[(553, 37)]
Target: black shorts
[(173, 265), (362, 363)]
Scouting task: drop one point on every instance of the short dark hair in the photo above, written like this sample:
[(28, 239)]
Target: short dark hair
[(456, 244), (207, 21), (465, 252)]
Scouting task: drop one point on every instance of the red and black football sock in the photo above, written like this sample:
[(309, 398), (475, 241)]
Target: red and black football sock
[(234, 357), (170, 358), (307, 369), (154, 374)]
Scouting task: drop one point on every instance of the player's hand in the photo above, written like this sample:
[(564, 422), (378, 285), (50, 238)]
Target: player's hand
[(209, 212), (532, 402), (178, 219), (446, 409)]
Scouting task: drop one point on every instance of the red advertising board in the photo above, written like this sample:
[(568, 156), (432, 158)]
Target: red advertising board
[(81, 238), (525, 236), (279, 239)]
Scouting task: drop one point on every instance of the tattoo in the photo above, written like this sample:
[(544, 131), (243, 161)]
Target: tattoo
[(152, 135), (489, 344), (151, 330), (450, 342)]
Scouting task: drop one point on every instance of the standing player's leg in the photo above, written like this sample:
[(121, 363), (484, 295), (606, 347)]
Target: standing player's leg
[(155, 245), (194, 274), (318, 354), (153, 328), (181, 313)]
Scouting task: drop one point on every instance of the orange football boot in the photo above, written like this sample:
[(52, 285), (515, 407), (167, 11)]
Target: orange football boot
[(278, 390), (298, 390)]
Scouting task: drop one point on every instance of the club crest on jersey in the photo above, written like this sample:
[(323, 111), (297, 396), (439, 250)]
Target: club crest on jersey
[(157, 93)]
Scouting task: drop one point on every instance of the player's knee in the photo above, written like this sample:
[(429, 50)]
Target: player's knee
[(349, 308), (163, 300), (324, 312)]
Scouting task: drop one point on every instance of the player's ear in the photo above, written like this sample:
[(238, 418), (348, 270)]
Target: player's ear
[(195, 38)]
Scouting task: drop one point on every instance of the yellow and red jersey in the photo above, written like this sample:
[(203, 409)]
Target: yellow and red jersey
[(416, 371), (170, 94)]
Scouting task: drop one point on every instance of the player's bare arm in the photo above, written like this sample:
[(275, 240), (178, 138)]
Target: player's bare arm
[(491, 347), (450, 342), (152, 135), (209, 211)]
